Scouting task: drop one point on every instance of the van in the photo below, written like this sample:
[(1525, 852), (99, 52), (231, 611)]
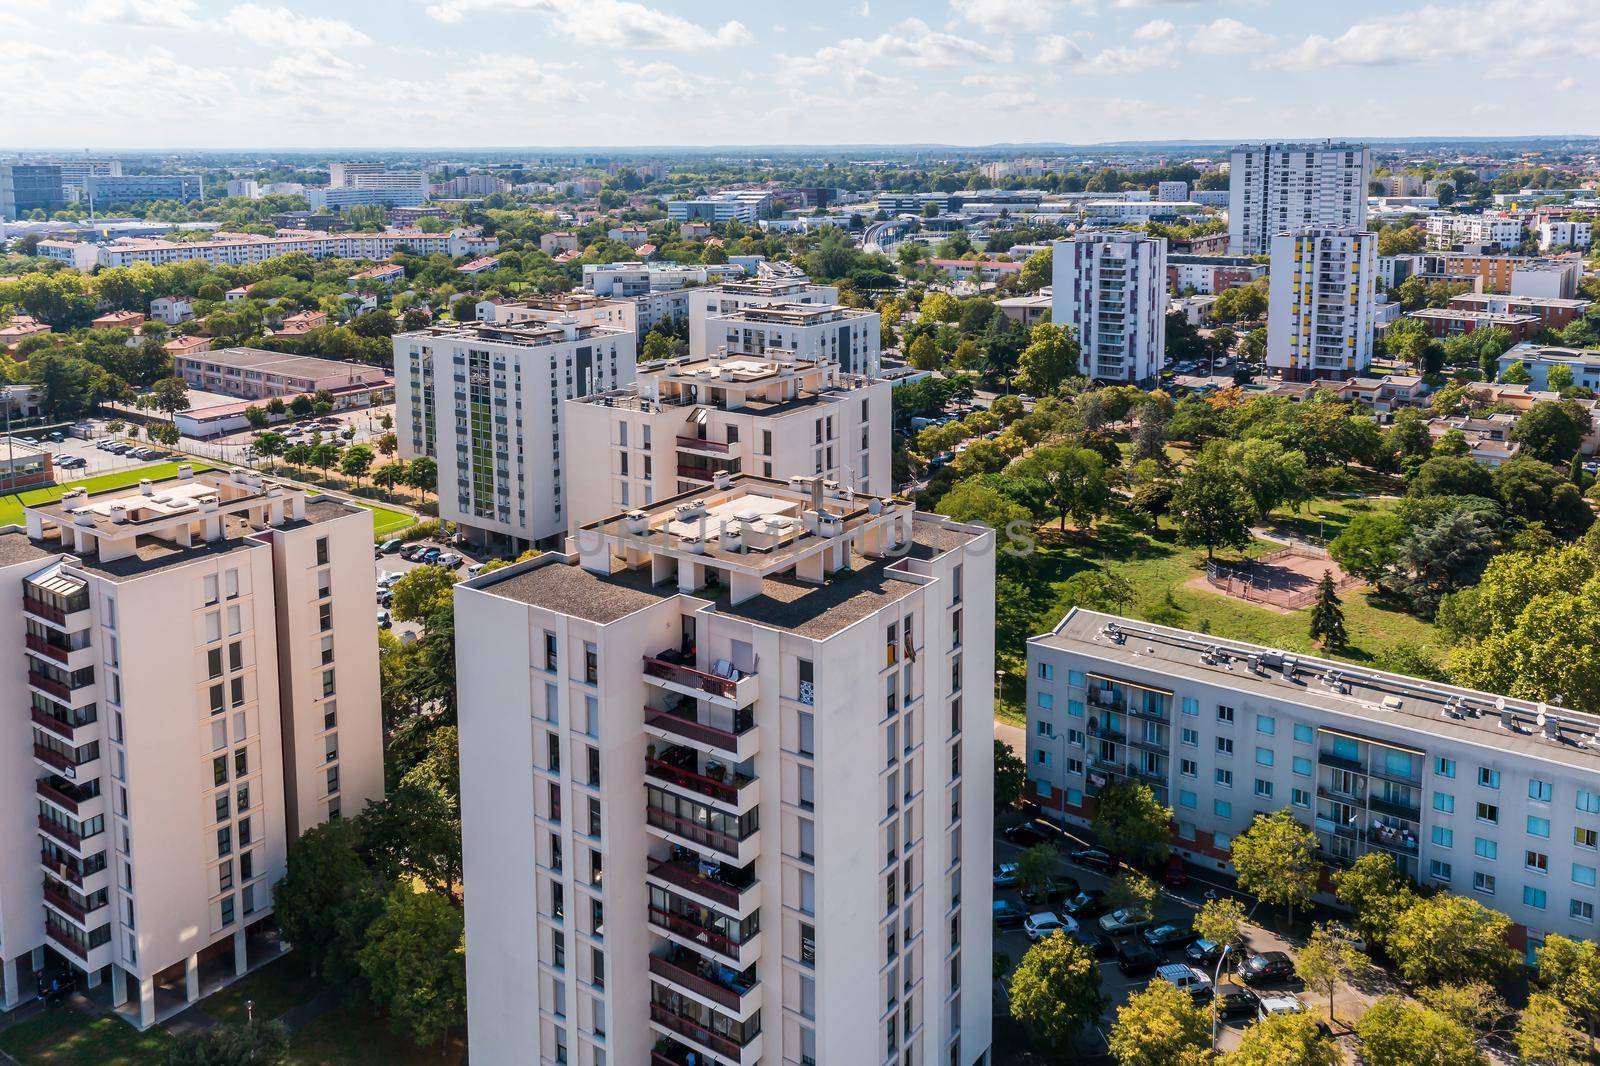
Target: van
[(1187, 978)]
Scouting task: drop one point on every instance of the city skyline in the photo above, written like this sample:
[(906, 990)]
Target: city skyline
[(614, 73)]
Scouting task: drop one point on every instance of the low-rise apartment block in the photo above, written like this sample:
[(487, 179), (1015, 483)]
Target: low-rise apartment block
[(1552, 312), (1454, 321), (106, 189), (578, 307), (1475, 231), (1495, 798), (683, 423), (195, 680), (237, 249), (1557, 234), (257, 374), (1208, 275), (1584, 364), (743, 811), (766, 289), (847, 336), (488, 403)]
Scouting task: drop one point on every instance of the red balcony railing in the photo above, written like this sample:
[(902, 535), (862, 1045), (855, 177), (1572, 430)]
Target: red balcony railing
[(59, 833), (708, 445), (688, 675), (51, 757), (58, 689), (694, 1031), (55, 795), (45, 720), (44, 610), (693, 930), (66, 944), (719, 994), (44, 647), (698, 473), (60, 869), (726, 790), (688, 877), (690, 829), (58, 899), (689, 729)]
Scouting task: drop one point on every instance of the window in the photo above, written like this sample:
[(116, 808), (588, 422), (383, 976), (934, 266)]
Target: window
[(224, 841), (1581, 910), (1225, 778), (1188, 767), (1485, 849), (1540, 790), (1076, 677), (1536, 861), (1488, 812), (1300, 797), (1224, 745), (1267, 724), (1584, 838), (1222, 808), (1303, 734), (1443, 836), (1191, 738), (1443, 801), (1534, 897), (322, 551), (1483, 882), (227, 910), (1075, 708), (219, 770), (1047, 672), (1538, 827), (1301, 765), (1224, 714), (1047, 701), (1444, 767), (1264, 756), (1488, 778), (1045, 729), (1583, 875), (1439, 871), (1263, 788), (1191, 706), (1187, 799), (1588, 802)]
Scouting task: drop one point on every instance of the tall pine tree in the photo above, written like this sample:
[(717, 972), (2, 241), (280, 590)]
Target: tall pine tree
[(1327, 617)]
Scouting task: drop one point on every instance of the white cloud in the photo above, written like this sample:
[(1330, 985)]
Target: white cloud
[(912, 43), (1567, 85), (1153, 3), (1226, 36), (1154, 30), (612, 23), (1005, 16), (1056, 49), (273, 27), (662, 81), (155, 14)]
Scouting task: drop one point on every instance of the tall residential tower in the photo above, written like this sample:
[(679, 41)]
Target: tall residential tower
[(1274, 188)]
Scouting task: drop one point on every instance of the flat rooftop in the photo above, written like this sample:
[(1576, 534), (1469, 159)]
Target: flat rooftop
[(1348, 694), (261, 361), (523, 334), (791, 314)]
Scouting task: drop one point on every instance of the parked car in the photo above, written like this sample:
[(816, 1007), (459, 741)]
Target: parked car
[(1282, 1003), (389, 547), (1099, 945), (1134, 958), (1203, 952), (1169, 935), (1093, 858), (1041, 925), (1058, 889), (1234, 1001), (1174, 874), (1264, 967), (431, 556), (474, 569), (1121, 922), (1185, 977), (1025, 835), (1007, 915), (1089, 903), (449, 559), (71, 462), (57, 437), (384, 621), (1005, 874), (1348, 935)]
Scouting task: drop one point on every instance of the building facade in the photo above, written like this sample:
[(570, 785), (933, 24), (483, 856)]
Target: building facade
[(29, 187), (1208, 275), (714, 853), (1477, 231), (847, 336), (237, 249), (1274, 188), (198, 665), (682, 423), (487, 402), (1321, 294), (1112, 288), (105, 189), (257, 374), (1493, 798), (764, 290)]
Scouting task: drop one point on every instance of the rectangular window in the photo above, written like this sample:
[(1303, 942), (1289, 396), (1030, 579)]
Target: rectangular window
[(1585, 838), (1538, 827), (1265, 756), (1224, 714), (1047, 672), (1303, 734), (1188, 767), (1483, 882), (1536, 861), (1301, 766), (1224, 778), (1488, 778), (1300, 797), (1583, 875), (1267, 724), (1188, 799), (1488, 812), (1444, 836), (1076, 677), (322, 551), (1439, 870), (1443, 801), (1540, 790), (1534, 897), (1222, 808), (1485, 849), (1191, 706), (1191, 738), (1581, 910), (1263, 788), (1224, 745), (1444, 767), (1588, 802)]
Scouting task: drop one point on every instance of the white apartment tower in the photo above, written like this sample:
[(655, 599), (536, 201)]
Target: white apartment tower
[(847, 336), (765, 290), (1111, 287), (1493, 798), (195, 683), (726, 796), (1322, 286), (683, 422), (1273, 188), (487, 402)]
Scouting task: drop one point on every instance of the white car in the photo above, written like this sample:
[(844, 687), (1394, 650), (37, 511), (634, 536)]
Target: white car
[(1121, 921), (1280, 1004), (1038, 926)]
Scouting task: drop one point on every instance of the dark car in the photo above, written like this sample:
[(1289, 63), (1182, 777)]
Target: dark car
[(1093, 858), (1234, 1001), (1089, 903), (1169, 935), (1007, 915), (1134, 957), (1058, 889), (1099, 945), (1265, 967), (1025, 835), (1174, 873), (1203, 952)]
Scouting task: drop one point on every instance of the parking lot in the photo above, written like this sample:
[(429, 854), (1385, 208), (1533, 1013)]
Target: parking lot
[(393, 564), (1177, 905), (96, 460)]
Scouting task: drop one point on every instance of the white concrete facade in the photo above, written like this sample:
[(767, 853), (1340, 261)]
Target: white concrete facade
[(763, 291), (1493, 798), (1322, 289), (847, 336), (1452, 231), (1112, 288), (683, 422), (806, 877), (200, 680), (241, 248), (1273, 188), (487, 402), (1560, 234)]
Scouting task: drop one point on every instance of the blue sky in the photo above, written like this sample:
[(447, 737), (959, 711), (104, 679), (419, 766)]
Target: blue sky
[(369, 73)]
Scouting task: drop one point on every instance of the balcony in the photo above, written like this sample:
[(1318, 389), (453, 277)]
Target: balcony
[(58, 689), (694, 975), (690, 833), (730, 888), (67, 731), (1108, 730), (57, 898), (685, 723), (60, 834), (1411, 812), (1328, 758), (693, 934), (728, 689), (55, 760), (60, 869), (38, 644), (697, 444), (706, 1041), (63, 794), (70, 620), (679, 769)]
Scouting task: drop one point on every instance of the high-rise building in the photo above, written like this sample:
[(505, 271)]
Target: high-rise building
[(194, 684), (742, 809), (1494, 798), (487, 402), (343, 175), (682, 423), (1111, 287), (29, 187), (1274, 188), (765, 290), (1320, 296)]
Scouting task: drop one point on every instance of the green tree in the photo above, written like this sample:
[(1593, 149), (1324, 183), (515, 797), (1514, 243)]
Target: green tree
[(423, 474), (1212, 508), (415, 831), (1451, 476), (300, 406), (1285, 1040), (1075, 480), (1056, 989), (1327, 960), (923, 354), (1050, 358), (1376, 892), (326, 899), (1552, 430), (1547, 1034), (971, 500), (1474, 1004), (1221, 920), (1327, 616), (1452, 938), (1035, 867), (1159, 1026), (1369, 545), (1036, 271), (297, 455), (356, 462), (1276, 858), (389, 475), (1516, 374), (171, 395), (163, 433), (1134, 892), (325, 455), (658, 346), (1570, 971), (421, 591), (253, 1043), (1131, 823), (1397, 1032), (1010, 776), (415, 962), (256, 416)]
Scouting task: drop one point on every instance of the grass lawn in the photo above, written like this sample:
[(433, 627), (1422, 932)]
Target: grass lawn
[(273, 989), (348, 1036), (386, 520), (62, 1036), (11, 506), (1158, 567)]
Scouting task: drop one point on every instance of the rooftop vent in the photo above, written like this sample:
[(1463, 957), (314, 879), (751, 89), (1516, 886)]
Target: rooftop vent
[(637, 521), (1392, 703)]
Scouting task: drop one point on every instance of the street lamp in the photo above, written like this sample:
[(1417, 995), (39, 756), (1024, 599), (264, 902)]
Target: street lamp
[(1216, 981)]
